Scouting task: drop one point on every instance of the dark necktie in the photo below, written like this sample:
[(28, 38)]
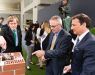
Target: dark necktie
[(14, 35), (75, 46), (77, 41)]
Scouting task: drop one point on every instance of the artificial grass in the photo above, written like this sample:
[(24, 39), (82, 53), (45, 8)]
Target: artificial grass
[(92, 30), (35, 70)]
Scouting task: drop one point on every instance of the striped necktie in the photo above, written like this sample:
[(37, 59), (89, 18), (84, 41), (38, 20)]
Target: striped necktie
[(75, 46), (77, 42)]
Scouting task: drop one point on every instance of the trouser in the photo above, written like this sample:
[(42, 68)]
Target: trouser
[(29, 54)]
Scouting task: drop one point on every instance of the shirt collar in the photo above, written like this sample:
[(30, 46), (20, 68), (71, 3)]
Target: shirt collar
[(82, 35), (58, 32)]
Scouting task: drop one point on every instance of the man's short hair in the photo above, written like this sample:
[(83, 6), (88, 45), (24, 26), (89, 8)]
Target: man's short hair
[(83, 18), (58, 18), (10, 19)]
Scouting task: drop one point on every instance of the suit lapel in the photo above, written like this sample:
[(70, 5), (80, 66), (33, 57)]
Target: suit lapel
[(10, 34), (82, 41), (57, 40), (84, 38), (50, 40), (59, 37)]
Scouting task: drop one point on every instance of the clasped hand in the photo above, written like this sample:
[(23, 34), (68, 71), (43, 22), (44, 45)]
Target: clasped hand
[(67, 69)]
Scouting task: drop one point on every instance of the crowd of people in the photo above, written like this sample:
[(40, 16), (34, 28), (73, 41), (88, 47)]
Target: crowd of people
[(63, 52)]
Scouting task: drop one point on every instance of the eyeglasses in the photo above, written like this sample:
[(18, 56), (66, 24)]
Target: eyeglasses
[(51, 26)]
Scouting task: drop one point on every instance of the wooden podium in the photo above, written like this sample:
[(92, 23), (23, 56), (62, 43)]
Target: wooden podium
[(13, 66)]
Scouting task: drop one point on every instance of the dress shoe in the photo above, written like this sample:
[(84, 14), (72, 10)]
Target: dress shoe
[(41, 68), (28, 68), (31, 62)]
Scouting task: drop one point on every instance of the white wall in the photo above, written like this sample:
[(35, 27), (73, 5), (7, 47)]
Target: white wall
[(28, 16), (5, 16)]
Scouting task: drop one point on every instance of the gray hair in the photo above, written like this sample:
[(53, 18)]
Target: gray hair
[(56, 17)]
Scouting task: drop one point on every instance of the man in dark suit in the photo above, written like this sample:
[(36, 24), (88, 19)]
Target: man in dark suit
[(13, 40), (56, 54), (83, 62)]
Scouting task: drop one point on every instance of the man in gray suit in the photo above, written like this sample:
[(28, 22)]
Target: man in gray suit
[(83, 62), (56, 53)]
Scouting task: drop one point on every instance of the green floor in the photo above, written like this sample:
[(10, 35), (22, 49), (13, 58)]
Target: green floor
[(35, 70)]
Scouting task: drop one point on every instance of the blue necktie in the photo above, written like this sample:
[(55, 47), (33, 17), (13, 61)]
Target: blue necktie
[(77, 41), (75, 46)]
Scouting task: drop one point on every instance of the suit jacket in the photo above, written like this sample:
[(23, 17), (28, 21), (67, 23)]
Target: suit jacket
[(28, 37), (59, 54), (8, 35), (84, 56), (45, 42)]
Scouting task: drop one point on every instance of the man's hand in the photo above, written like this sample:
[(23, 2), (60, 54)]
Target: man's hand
[(67, 69), (32, 41), (43, 59), (3, 42), (39, 53)]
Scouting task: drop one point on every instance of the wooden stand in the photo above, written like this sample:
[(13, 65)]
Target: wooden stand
[(15, 66)]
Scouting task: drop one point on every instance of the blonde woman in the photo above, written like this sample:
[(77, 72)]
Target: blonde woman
[(43, 37)]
